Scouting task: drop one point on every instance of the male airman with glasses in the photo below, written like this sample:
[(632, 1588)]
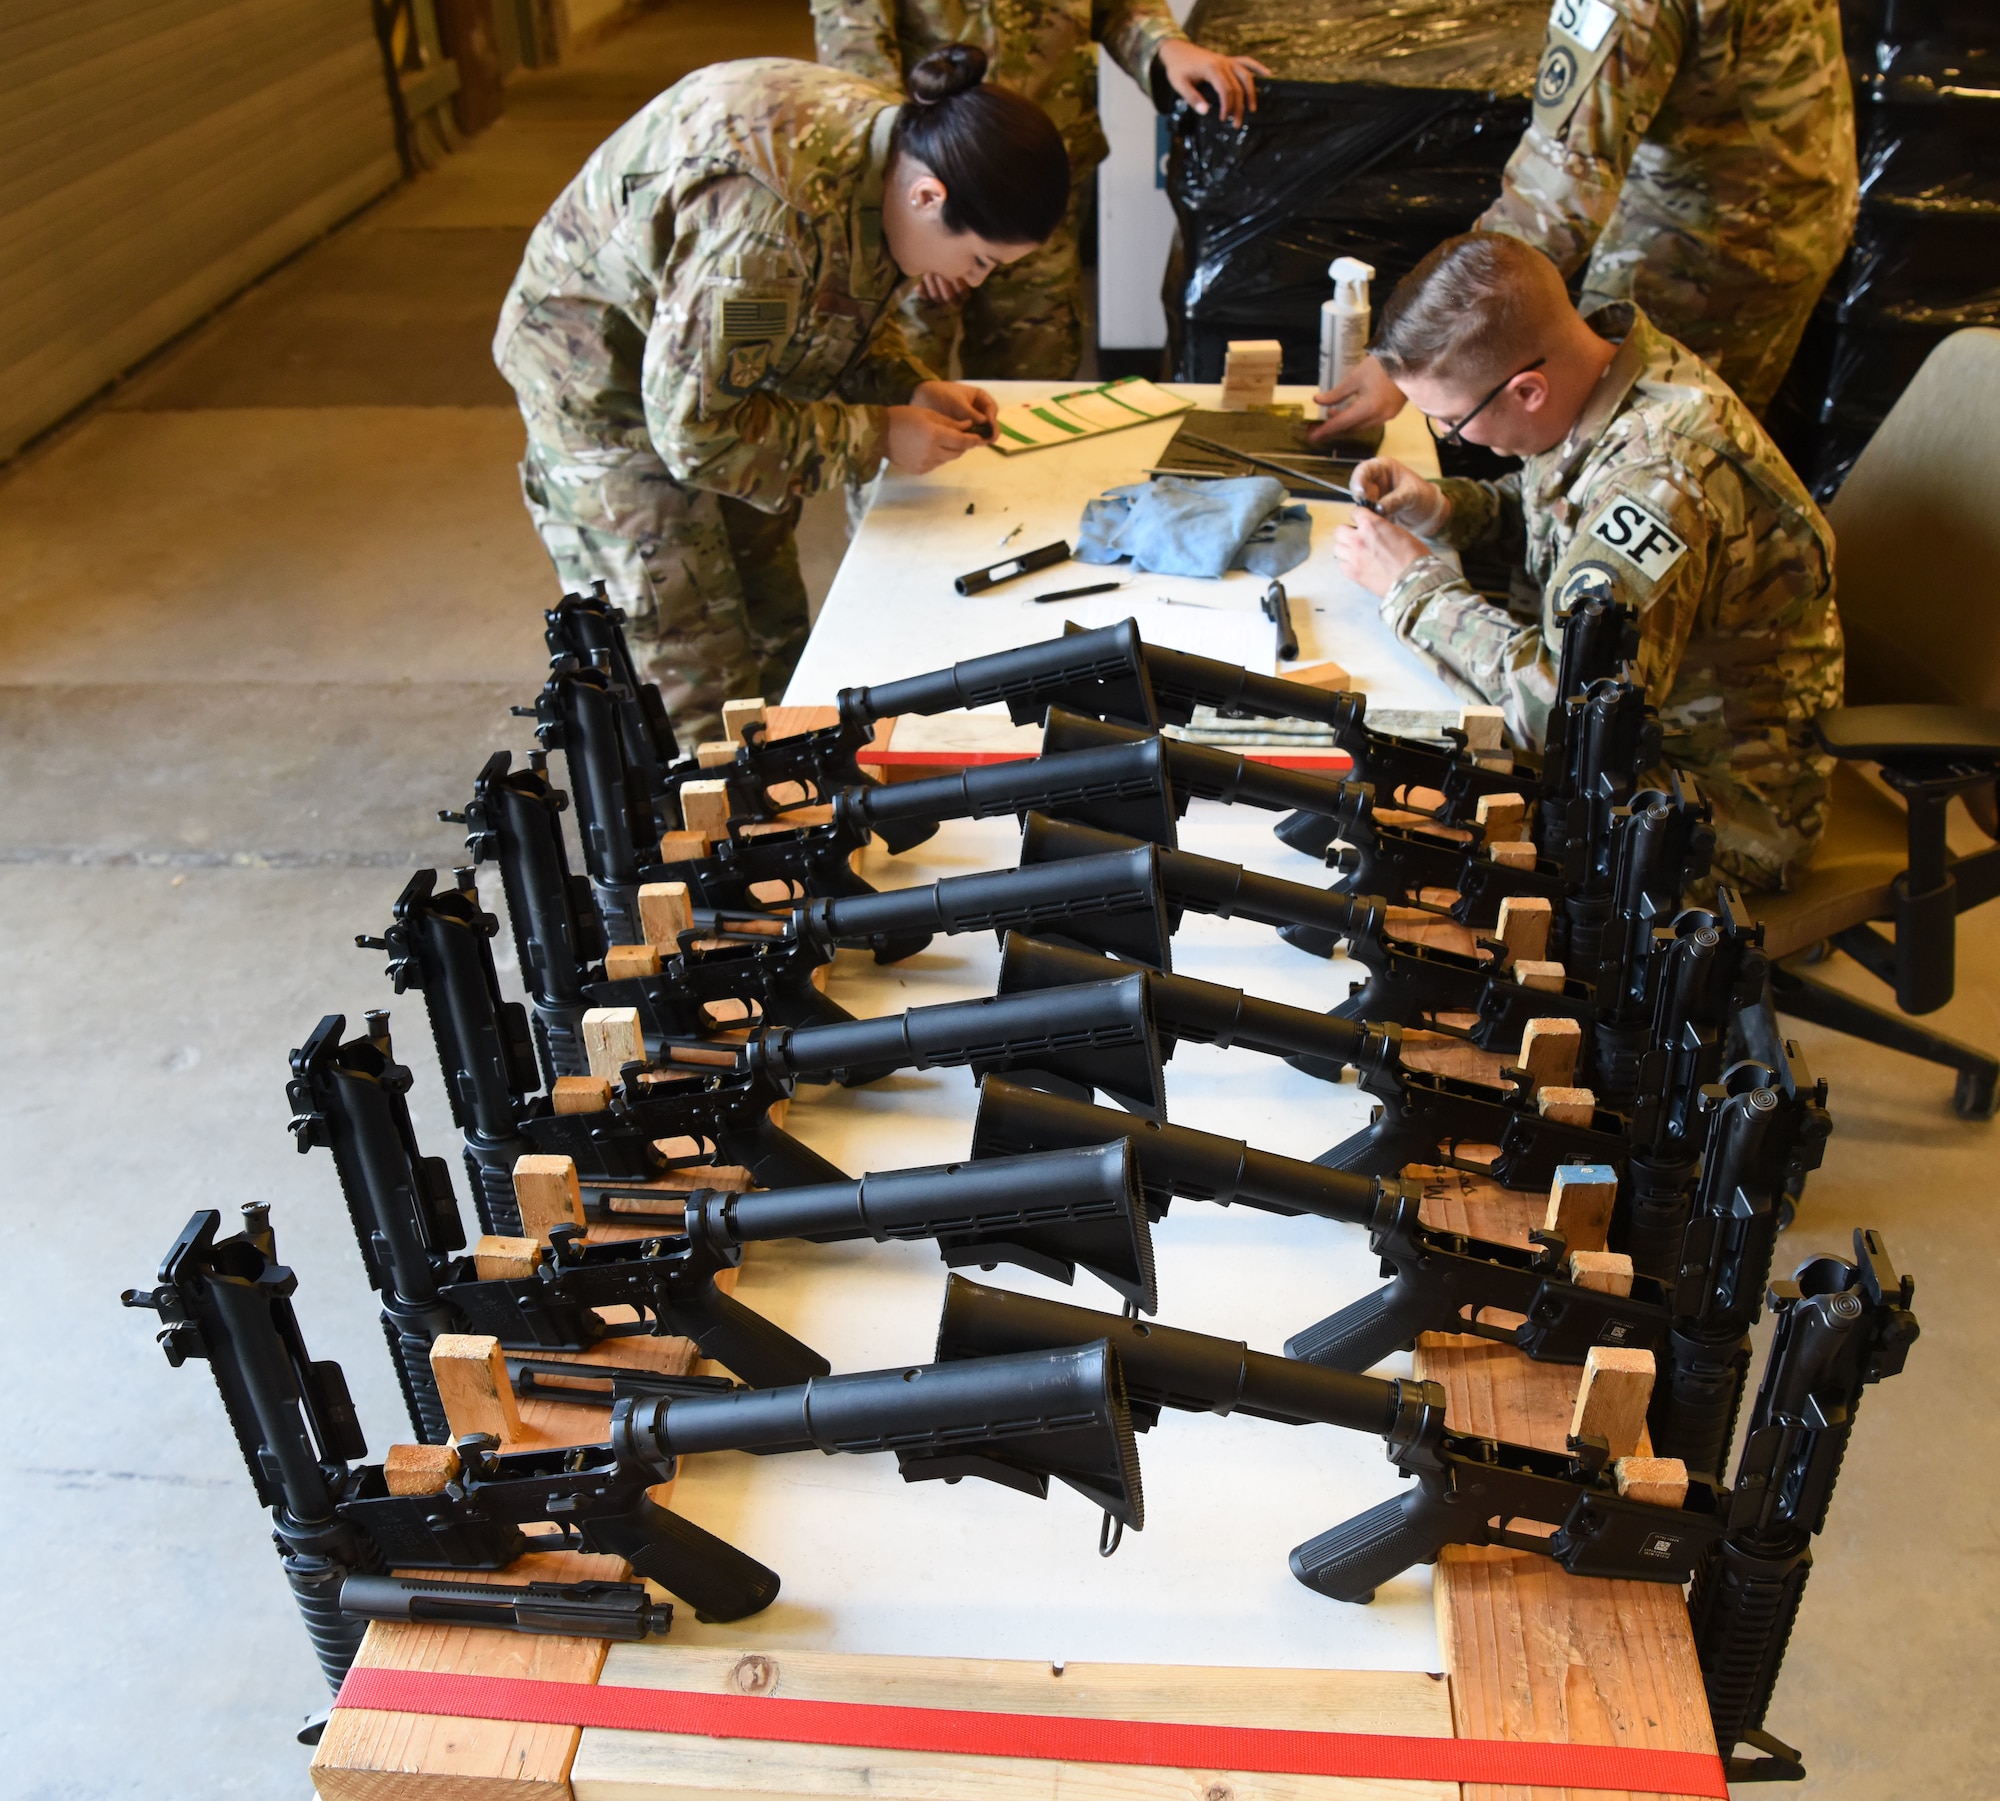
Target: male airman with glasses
[(1644, 477)]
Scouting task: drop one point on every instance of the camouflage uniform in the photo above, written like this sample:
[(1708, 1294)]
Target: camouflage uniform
[(1668, 490), (1024, 320), (1700, 154), (703, 331)]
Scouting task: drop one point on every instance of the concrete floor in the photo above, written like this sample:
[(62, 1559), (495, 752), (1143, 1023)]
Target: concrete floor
[(260, 616)]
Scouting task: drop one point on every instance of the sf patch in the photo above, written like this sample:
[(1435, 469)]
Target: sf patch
[(1579, 41), (1640, 536)]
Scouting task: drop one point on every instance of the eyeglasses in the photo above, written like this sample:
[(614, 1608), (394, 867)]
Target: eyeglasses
[(1452, 427)]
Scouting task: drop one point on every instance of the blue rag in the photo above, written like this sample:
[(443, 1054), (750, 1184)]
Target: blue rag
[(1173, 526)]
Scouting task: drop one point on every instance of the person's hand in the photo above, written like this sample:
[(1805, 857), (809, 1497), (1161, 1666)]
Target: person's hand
[(1376, 552), (921, 439), (959, 401), (1364, 396), (1189, 69), (1401, 494), (946, 290)]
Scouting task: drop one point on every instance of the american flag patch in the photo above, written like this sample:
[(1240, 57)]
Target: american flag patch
[(756, 318)]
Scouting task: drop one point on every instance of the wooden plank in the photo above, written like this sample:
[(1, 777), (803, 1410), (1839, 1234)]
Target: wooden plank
[(705, 808), (715, 753), (1534, 1653), (1549, 1051), (471, 1374), (736, 714), (370, 1756), (1581, 1200), (635, 1766), (546, 1192), (629, 962)]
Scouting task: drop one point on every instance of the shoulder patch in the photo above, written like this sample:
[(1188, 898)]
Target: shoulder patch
[(756, 316), (1640, 536), (748, 363), (1579, 41)]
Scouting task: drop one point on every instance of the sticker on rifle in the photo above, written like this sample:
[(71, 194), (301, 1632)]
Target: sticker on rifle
[(1640, 536), (1659, 1544), (1579, 41)]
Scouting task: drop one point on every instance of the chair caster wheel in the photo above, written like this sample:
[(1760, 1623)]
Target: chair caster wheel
[(1975, 1096)]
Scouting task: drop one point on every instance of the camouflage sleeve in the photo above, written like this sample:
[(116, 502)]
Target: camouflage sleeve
[(1600, 84), (888, 371), (1483, 652), (730, 300), (1648, 533), (860, 37), (1133, 31), (1486, 514)]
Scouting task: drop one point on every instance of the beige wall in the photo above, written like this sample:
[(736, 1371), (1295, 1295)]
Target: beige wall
[(156, 155)]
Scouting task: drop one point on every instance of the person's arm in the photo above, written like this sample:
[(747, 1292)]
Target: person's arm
[(860, 37), (1596, 97), (731, 296), (888, 371), (1645, 530), (1132, 31)]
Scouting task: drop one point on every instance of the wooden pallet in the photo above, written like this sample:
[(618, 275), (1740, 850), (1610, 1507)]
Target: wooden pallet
[(645, 1766)]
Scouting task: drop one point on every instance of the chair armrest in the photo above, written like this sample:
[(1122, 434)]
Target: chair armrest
[(1911, 735)]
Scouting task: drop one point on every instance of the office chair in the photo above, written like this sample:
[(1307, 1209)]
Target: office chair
[(1917, 530)]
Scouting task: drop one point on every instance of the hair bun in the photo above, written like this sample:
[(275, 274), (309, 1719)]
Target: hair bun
[(949, 69)]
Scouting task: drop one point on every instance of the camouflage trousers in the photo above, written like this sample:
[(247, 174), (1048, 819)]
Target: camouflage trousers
[(1766, 830), (1023, 323), (716, 604)]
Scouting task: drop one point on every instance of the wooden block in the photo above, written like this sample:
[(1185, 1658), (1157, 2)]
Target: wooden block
[(736, 714), (705, 808), (1502, 816), (506, 1259), (366, 1755), (545, 1189), (665, 912), (717, 753), (419, 1469), (613, 1037), (1580, 1202), (1608, 1272), (624, 1766), (580, 1094), (1535, 972), (1611, 1400), (1549, 1050), (627, 962), (471, 1374), (1485, 728), (1513, 853), (1566, 1106), (1328, 676), (1661, 1480), (683, 847), (1525, 920), (1501, 762)]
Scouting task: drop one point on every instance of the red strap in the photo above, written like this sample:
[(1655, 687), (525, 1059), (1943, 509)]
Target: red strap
[(891, 758), (1065, 1738)]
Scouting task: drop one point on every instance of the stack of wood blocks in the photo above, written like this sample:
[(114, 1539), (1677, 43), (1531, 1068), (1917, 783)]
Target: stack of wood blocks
[(1250, 373)]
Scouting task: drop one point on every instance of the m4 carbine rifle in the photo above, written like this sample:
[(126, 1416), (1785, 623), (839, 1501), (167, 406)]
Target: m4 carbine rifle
[(229, 1301), (718, 1098), (1471, 1490), (1047, 1213), (1438, 1273), (1018, 1421)]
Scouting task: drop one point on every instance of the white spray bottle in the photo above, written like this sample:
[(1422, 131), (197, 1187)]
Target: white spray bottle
[(1343, 321)]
